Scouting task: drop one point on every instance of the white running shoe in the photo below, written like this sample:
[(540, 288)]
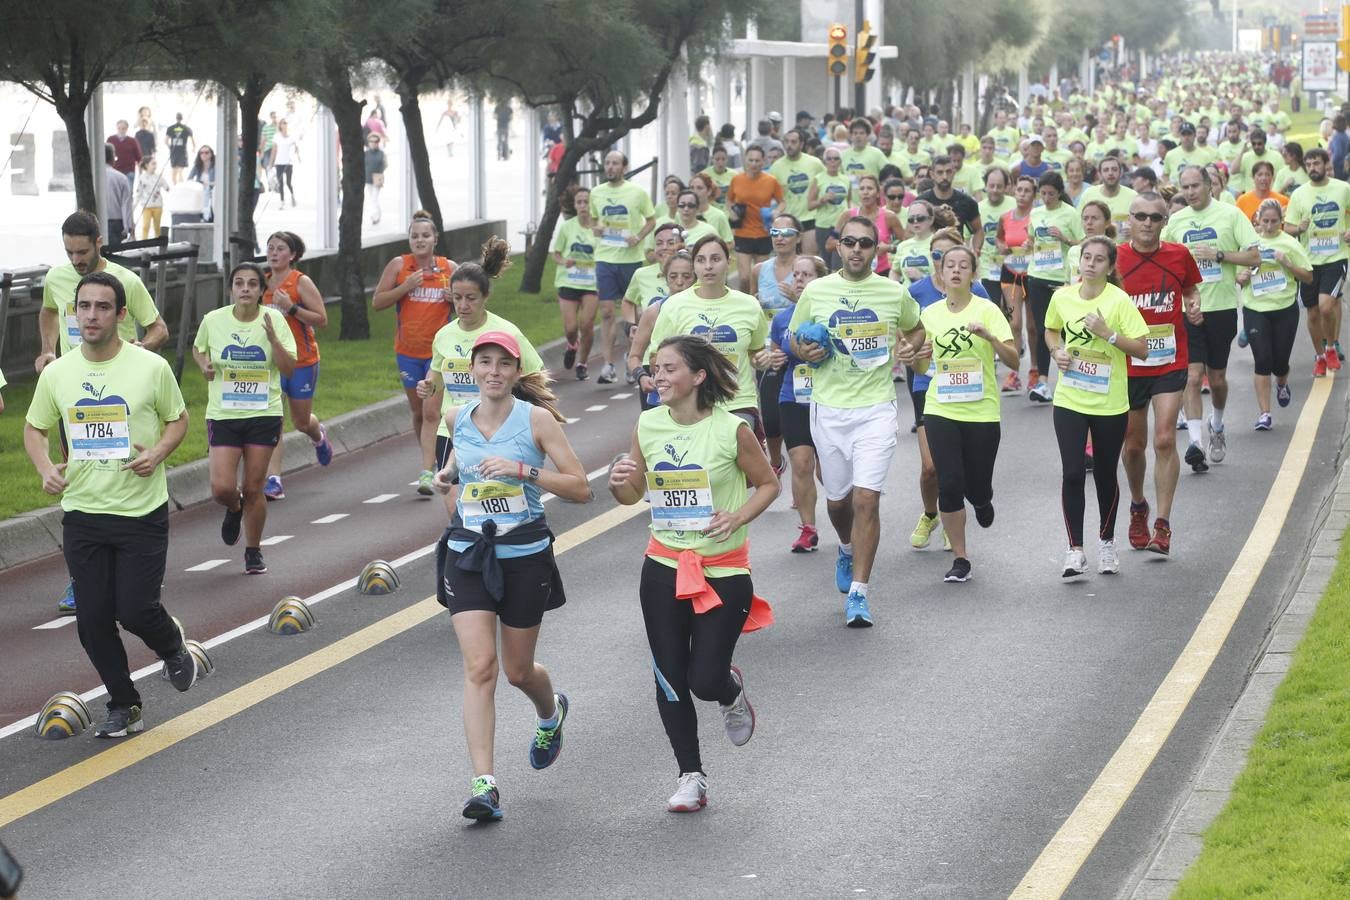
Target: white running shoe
[(739, 717), (1108, 563), (1075, 563), (691, 795), (1218, 443)]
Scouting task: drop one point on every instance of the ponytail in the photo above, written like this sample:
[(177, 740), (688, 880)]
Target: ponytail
[(495, 258), (533, 389)]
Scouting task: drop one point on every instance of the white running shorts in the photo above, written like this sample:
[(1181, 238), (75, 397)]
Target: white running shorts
[(855, 446)]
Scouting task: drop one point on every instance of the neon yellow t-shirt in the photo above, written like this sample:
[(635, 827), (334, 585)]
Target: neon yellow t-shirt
[(963, 386), (723, 181), (621, 212), (106, 409), (1096, 381), (1325, 208), (577, 244), (991, 261), (912, 253), (867, 161), (58, 293), (795, 177), (1178, 157), (1287, 180), (452, 356), (1222, 227), (1272, 286), (1048, 253), (646, 287), (733, 322), (247, 383), (1119, 205), (834, 190), (1005, 140)]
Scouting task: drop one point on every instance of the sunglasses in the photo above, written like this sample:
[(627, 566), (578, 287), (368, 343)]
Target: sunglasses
[(686, 206), (895, 196), (782, 232), (937, 256), (1148, 217), (850, 242), (917, 220)]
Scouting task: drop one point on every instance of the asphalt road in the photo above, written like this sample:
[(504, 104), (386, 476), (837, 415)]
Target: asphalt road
[(934, 755)]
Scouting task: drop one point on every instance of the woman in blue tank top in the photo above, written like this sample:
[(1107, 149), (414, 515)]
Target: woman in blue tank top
[(495, 561), (773, 287)]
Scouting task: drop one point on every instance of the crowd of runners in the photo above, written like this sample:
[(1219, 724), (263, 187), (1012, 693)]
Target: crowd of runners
[(1098, 253)]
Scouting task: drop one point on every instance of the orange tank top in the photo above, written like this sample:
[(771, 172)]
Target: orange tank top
[(306, 346), (424, 310)]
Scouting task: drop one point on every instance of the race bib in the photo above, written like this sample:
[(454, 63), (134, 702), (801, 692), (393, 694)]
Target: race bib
[(582, 275), (1162, 346), (994, 270), (1051, 257), (244, 389), (1324, 244), (614, 237), (1211, 271), (958, 380), (1269, 281), (801, 383), (1017, 262), (867, 343), (98, 432), (681, 499), (1089, 371), (74, 336), (459, 383), (503, 503)]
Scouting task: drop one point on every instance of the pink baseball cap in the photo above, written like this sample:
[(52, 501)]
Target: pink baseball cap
[(499, 338)]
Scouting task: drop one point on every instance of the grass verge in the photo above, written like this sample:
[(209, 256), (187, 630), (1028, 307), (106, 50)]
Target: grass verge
[(1286, 830), (352, 374)]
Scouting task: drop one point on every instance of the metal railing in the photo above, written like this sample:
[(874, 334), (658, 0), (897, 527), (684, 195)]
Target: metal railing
[(12, 282), (157, 255)]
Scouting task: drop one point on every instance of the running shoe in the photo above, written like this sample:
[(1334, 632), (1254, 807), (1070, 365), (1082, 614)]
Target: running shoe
[(1195, 458), (424, 483), (1033, 379), (1075, 563), (1263, 422), (1333, 360), (856, 612), (984, 515), (1108, 563), (1218, 444), (66, 605), (1012, 384), (229, 528), (253, 561), (581, 371), (607, 374), (1040, 393), (843, 572), (548, 741), (923, 531), (1283, 394), (630, 378), (1181, 420), (1161, 542), (959, 573), (1340, 354), (570, 356), (323, 450), (1320, 367), (807, 539), (273, 490), (738, 717), (181, 668), (484, 803), (691, 794), (1242, 338), (121, 721), (1204, 384), (1139, 525)]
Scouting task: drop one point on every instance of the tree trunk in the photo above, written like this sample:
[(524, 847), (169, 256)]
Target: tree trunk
[(411, 111), (250, 107), (71, 111), (351, 285)]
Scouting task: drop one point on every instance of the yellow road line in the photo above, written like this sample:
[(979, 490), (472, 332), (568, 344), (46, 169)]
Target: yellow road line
[(79, 776), (1058, 864)]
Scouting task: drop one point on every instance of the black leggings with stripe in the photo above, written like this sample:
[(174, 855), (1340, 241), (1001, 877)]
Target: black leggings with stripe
[(1108, 435)]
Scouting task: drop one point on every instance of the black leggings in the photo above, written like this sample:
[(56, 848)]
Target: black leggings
[(963, 454), (1039, 292), (1108, 434), (770, 384), (691, 654), (1271, 336), (283, 173)]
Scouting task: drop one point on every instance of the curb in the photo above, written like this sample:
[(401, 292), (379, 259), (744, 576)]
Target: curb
[(1209, 792)]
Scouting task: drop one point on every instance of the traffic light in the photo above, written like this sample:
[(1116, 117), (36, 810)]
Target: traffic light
[(1343, 45), (863, 69), (836, 62)]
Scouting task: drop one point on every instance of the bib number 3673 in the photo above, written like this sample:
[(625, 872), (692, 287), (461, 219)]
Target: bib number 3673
[(681, 499)]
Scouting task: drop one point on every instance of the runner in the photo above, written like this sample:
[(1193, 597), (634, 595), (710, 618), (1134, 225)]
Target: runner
[(293, 293), (250, 348), (1111, 192), (860, 157), (996, 202), (1263, 176), (123, 415), (720, 175), (963, 334), (677, 274), (451, 377), (1054, 227), (795, 172), (794, 408), (1095, 218), (417, 286), (831, 192), (1090, 327), (691, 227), (1318, 214), (773, 285), (888, 225), (648, 287), (574, 279), (622, 217), (1221, 239), (1162, 280), (705, 188), (844, 325), (1013, 243), (496, 559), (1269, 313), (751, 192), (913, 259), (691, 459)]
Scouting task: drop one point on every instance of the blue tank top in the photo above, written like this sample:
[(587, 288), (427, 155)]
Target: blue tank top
[(1033, 171), (925, 293), (778, 333), (509, 502), (771, 299)]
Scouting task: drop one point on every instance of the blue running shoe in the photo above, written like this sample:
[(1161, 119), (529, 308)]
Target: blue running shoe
[(66, 605), (485, 803), (273, 489), (548, 741), (1283, 395), (843, 572), (856, 613), (323, 450)]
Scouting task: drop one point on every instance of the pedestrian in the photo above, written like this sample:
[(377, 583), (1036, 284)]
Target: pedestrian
[(447, 126), (296, 296), (243, 350), (120, 414), (178, 136), (622, 217), (267, 146), (121, 214), (692, 459), (150, 197), (417, 285), (375, 166), (285, 155), (503, 114), (128, 155), (204, 173), (497, 573), (145, 132)]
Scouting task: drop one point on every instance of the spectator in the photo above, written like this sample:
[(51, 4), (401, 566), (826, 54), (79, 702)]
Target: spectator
[(267, 137), (121, 216), (145, 131), (204, 173), (503, 112), (177, 136), (375, 166), (700, 144), (127, 152), (285, 154), (150, 197)]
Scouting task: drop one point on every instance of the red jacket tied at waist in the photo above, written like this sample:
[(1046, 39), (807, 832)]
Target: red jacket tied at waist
[(692, 584)]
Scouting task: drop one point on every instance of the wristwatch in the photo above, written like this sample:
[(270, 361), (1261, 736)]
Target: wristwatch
[(1112, 339), (532, 474), (1219, 256)]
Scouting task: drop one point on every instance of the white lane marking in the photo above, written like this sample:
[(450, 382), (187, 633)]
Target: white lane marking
[(573, 421), (412, 484), (55, 623), (329, 519), (620, 396), (597, 407), (380, 498), (276, 539), (206, 566), (155, 667)]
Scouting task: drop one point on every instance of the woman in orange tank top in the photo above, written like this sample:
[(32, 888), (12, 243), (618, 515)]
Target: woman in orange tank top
[(417, 285), (295, 296)]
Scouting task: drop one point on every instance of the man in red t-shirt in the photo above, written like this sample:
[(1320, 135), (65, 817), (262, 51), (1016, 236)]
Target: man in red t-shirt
[(1161, 278), (128, 151)]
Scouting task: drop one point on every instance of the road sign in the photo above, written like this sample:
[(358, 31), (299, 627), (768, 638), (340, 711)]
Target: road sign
[(1320, 26), (1319, 65)]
